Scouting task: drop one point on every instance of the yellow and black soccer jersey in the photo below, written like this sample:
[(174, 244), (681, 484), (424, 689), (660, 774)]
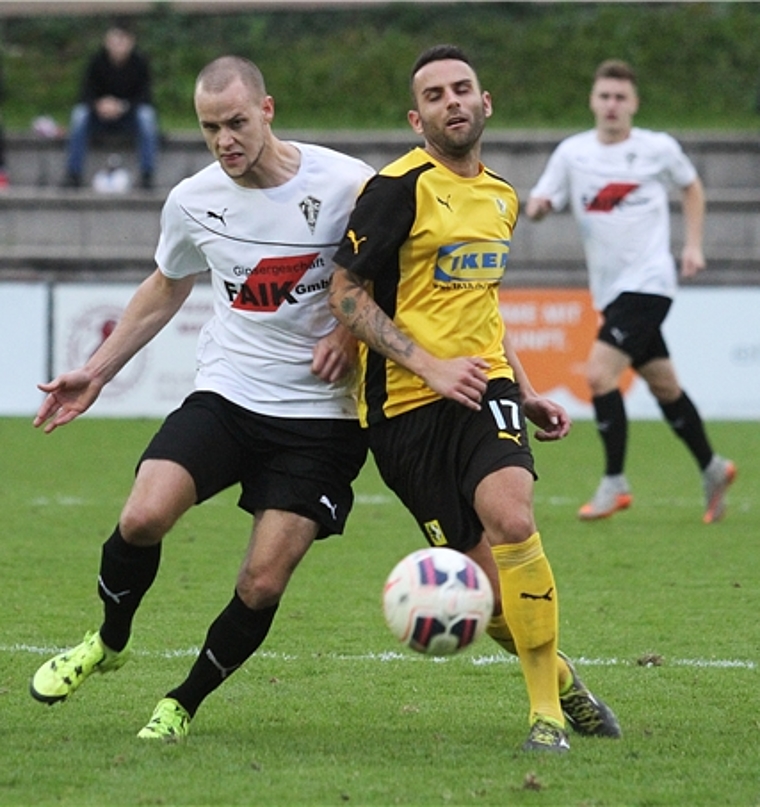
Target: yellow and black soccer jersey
[(435, 246)]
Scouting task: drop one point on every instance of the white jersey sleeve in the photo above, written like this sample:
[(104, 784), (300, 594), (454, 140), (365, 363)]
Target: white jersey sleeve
[(269, 253), (554, 182), (618, 194), (176, 254)]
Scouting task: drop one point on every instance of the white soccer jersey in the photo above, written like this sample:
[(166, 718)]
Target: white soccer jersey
[(270, 256), (619, 196)]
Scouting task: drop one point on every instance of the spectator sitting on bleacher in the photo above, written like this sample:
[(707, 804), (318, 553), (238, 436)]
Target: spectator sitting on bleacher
[(116, 97)]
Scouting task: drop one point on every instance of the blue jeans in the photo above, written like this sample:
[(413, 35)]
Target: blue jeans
[(140, 120)]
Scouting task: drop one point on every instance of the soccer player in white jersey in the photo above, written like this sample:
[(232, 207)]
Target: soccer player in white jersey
[(616, 178), (273, 408)]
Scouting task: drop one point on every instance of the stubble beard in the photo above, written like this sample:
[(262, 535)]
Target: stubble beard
[(247, 169), (459, 144)]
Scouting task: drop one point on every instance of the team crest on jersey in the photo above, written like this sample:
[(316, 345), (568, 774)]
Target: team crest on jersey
[(310, 209), (435, 533), (471, 263)]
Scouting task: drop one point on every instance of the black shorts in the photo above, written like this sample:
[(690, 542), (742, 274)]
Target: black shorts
[(303, 466), (433, 458), (632, 324)]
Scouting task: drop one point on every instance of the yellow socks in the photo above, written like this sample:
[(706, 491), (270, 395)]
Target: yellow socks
[(529, 600), (499, 631)]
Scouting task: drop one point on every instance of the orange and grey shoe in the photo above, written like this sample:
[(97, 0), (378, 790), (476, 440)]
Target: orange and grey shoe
[(613, 494), (716, 480)]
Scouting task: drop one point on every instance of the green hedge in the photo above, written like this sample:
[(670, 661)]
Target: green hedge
[(699, 63)]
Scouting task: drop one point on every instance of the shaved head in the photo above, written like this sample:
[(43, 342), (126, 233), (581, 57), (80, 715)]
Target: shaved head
[(219, 74)]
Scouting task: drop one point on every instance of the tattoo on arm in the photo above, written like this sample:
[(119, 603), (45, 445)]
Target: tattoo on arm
[(367, 321)]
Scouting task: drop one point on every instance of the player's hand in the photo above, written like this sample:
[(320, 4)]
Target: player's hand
[(335, 355), (552, 420), (463, 379), (692, 261), (537, 207), (68, 396)]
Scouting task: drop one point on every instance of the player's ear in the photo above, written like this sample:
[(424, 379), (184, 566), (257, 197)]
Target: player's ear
[(487, 104), (414, 120), (267, 108)]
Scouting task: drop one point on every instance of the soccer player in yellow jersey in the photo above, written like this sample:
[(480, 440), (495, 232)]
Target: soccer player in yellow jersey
[(443, 393)]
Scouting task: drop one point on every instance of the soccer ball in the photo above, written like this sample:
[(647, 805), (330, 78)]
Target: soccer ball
[(437, 601)]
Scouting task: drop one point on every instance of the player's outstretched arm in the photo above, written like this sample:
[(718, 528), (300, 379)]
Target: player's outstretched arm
[(461, 379), (70, 394)]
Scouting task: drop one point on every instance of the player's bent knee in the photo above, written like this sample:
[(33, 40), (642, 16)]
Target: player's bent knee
[(144, 526), (259, 591), (514, 529)]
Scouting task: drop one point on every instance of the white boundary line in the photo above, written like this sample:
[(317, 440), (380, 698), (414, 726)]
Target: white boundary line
[(384, 499), (394, 656)]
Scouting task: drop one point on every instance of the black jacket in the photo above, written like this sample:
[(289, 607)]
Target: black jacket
[(130, 81)]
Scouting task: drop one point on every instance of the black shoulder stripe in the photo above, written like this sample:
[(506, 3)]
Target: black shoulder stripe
[(498, 178)]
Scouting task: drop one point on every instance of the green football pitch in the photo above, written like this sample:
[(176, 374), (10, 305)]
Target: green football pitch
[(659, 611)]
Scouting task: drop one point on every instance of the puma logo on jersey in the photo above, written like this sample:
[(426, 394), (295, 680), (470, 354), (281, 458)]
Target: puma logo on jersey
[(445, 202), (355, 240), (210, 214)]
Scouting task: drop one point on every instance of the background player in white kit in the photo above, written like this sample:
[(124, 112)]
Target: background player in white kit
[(617, 177), (272, 409)]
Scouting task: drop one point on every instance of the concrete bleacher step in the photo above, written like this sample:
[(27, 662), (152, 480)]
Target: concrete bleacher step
[(724, 160), (53, 232)]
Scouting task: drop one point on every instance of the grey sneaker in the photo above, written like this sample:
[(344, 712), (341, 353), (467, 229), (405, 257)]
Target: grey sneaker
[(57, 678), (716, 479), (546, 735), (170, 722), (585, 713), (613, 494)]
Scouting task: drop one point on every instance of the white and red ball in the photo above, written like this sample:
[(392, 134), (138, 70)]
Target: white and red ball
[(437, 601)]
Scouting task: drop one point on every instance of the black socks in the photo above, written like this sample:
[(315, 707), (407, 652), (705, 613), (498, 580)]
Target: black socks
[(612, 425), (232, 638), (126, 573), (683, 418)]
